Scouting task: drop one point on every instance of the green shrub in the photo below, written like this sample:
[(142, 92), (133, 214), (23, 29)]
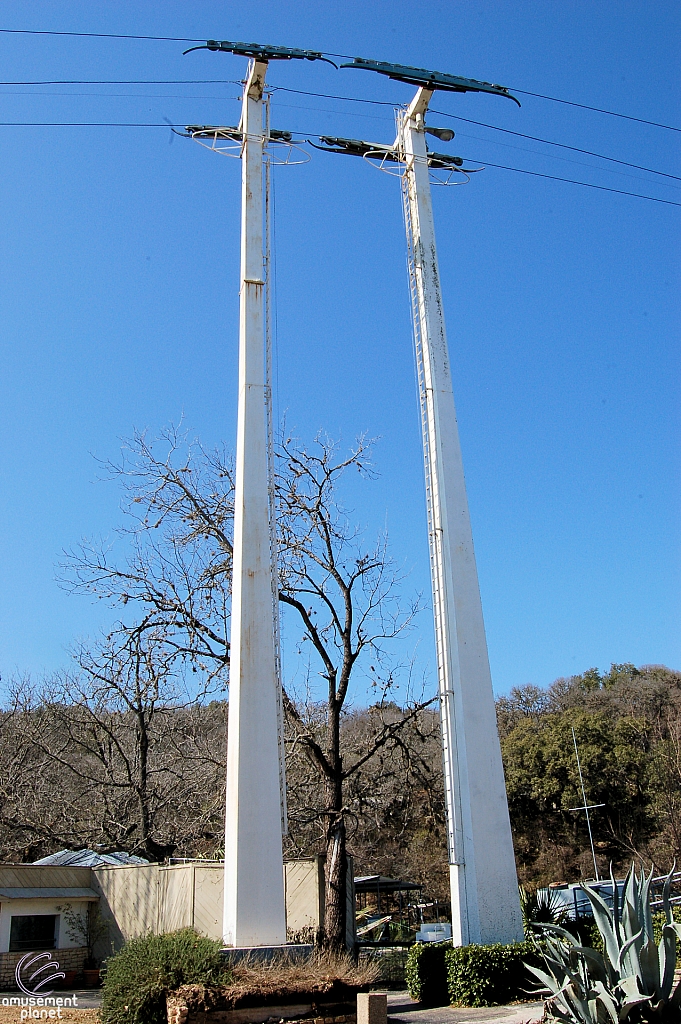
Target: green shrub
[(426, 973), (490, 975), (659, 921), (137, 978)]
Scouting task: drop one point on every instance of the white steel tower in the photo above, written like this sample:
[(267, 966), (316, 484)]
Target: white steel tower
[(254, 911), (254, 907), (484, 887)]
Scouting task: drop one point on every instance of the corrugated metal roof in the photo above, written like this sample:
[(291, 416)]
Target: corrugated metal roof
[(89, 859), (45, 893), (371, 883)]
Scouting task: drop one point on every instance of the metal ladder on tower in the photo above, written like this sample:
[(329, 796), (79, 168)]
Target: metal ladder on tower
[(434, 539), (267, 262)]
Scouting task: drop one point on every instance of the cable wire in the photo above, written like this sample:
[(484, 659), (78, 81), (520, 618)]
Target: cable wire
[(95, 35), (89, 124), (167, 124), (483, 124), (322, 95), (344, 56), (131, 81), (573, 181), (566, 159), (333, 96), (599, 110), (560, 145)]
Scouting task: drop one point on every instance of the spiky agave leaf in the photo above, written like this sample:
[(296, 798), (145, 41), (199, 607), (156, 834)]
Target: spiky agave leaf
[(624, 954), (606, 1001), (631, 995), (645, 914), (556, 929), (615, 908), (604, 919), (631, 923), (649, 960), (566, 992), (666, 902)]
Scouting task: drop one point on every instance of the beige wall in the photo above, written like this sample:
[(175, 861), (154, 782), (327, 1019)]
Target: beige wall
[(208, 888), (128, 901), (304, 888), (140, 898)]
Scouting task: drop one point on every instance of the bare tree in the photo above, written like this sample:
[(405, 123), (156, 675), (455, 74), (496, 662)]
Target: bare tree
[(174, 591), (347, 599), (176, 574), (130, 746)]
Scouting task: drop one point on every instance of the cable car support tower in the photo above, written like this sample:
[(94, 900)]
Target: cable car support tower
[(255, 814), (483, 880), (485, 903)]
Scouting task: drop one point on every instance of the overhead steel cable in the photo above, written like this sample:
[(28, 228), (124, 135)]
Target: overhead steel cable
[(598, 110), (129, 81), (567, 160), (131, 96), (573, 181), (168, 124), (96, 35), (348, 99), (88, 124), (483, 124), (560, 145), (334, 96), (326, 53)]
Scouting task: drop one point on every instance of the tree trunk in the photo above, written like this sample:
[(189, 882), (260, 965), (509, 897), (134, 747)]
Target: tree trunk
[(336, 867)]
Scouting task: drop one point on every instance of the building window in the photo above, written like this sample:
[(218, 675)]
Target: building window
[(32, 932)]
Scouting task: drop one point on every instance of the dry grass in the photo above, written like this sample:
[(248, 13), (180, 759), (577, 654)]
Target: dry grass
[(319, 973), (321, 978)]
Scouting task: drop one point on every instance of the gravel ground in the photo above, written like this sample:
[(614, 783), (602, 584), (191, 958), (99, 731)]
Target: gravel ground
[(12, 1015), (85, 1012), (401, 1009)]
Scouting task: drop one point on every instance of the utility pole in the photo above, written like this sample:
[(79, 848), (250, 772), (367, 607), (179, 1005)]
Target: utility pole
[(483, 878), (254, 910)]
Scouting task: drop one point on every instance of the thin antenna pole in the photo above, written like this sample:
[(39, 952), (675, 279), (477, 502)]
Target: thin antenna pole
[(585, 808)]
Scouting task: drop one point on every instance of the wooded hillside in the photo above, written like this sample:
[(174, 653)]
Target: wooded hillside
[(74, 772)]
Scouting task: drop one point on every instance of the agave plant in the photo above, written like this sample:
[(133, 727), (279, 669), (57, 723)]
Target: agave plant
[(632, 979)]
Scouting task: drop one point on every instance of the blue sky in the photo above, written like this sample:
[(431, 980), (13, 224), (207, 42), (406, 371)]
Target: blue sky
[(118, 299)]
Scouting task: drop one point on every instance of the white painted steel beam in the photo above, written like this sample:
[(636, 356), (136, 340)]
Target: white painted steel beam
[(485, 903), (254, 910)]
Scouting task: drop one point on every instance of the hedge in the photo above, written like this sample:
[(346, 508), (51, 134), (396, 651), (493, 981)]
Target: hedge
[(426, 973), (490, 975), (438, 974), (137, 978)]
